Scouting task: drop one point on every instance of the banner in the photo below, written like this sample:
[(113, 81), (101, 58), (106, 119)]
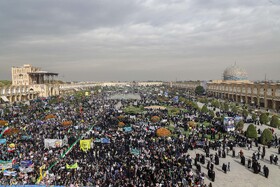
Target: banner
[(10, 173), (6, 164), (127, 129), (3, 141), (25, 163), (53, 143), (135, 152), (26, 170), (26, 138), (16, 166), (105, 140), (85, 145), (73, 166)]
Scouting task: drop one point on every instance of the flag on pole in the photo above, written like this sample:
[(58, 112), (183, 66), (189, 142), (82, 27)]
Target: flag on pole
[(41, 173)]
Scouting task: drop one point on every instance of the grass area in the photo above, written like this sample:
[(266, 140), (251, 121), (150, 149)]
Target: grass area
[(133, 110), (173, 111), (184, 110), (206, 124), (208, 136), (185, 132), (172, 129)]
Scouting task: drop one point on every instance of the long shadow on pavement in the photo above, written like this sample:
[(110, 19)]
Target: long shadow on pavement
[(249, 169)]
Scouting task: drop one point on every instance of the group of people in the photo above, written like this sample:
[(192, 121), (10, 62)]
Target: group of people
[(156, 161), (253, 163), (135, 156)]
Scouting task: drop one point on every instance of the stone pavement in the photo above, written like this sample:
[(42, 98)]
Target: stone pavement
[(239, 175)]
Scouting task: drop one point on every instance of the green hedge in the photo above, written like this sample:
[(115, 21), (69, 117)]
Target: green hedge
[(251, 131), (266, 136)]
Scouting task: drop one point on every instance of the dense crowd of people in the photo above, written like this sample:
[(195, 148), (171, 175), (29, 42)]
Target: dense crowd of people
[(133, 157)]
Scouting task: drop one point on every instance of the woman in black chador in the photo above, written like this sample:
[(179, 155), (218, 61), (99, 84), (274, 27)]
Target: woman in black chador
[(217, 159)]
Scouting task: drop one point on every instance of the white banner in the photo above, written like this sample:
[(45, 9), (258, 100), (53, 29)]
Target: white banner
[(10, 173), (5, 166), (53, 143), (26, 170)]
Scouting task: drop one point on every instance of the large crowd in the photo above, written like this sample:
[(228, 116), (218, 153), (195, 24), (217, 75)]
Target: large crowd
[(134, 157)]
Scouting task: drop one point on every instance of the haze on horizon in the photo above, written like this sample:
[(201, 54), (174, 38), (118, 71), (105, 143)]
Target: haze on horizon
[(118, 40)]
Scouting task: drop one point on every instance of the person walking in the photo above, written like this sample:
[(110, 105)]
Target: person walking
[(224, 168), (213, 176), (275, 159), (265, 171)]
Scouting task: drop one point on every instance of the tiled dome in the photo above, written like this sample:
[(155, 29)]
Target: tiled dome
[(235, 73)]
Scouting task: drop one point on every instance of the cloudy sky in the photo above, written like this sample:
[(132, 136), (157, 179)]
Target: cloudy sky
[(103, 40)]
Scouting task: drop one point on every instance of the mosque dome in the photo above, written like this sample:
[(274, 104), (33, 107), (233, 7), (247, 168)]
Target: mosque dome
[(235, 73)]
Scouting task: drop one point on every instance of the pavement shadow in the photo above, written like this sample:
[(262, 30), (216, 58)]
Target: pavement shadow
[(266, 161), (204, 166), (250, 169), (218, 169), (237, 161), (275, 152)]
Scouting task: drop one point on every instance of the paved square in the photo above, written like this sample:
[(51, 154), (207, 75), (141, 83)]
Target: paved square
[(239, 175)]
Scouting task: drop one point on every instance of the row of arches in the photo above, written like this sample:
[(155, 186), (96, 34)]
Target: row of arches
[(24, 93), (254, 100), (15, 90)]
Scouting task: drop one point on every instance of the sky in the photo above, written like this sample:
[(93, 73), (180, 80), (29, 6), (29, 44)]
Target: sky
[(138, 40)]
